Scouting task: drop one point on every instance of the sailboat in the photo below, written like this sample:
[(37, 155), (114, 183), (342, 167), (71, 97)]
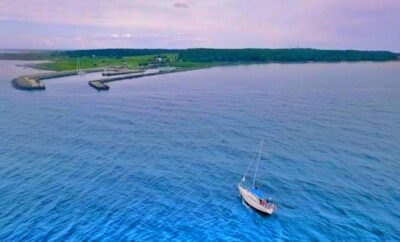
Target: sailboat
[(78, 68), (250, 194)]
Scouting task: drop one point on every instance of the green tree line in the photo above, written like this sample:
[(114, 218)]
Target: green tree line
[(282, 55)]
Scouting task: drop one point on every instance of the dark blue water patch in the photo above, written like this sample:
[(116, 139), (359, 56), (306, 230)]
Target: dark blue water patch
[(159, 158)]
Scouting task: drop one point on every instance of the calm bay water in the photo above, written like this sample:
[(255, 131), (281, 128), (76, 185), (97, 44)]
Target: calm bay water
[(159, 158)]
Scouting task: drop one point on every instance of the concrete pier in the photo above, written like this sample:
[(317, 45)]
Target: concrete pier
[(97, 83)]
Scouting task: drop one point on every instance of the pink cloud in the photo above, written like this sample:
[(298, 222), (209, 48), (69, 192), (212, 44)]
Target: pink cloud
[(360, 24)]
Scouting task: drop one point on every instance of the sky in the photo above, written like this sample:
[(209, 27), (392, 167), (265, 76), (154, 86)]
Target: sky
[(82, 24)]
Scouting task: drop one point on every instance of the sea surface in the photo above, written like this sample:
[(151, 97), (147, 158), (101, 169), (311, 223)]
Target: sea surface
[(159, 158)]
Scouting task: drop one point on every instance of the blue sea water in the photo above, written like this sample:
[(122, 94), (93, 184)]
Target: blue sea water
[(159, 158)]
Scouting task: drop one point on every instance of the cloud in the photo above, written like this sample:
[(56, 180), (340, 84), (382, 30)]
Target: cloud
[(121, 35), (180, 5)]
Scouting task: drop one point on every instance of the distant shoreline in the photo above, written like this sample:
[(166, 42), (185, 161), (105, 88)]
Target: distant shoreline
[(189, 58), (34, 81), (65, 63)]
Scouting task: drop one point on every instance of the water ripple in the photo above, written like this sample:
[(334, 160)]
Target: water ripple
[(159, 158)]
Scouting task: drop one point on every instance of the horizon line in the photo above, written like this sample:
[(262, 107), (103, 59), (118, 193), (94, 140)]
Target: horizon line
[(243, 48)]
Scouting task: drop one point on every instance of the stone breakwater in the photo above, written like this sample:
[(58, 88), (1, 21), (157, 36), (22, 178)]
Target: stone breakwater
[(34, 81), (28, 83)]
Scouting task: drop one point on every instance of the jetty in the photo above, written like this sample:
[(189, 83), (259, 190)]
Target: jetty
[(34, 81), (101, 84)]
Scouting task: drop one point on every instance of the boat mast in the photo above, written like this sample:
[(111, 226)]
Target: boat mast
[(258, 161), (77, 66), (248, 167)]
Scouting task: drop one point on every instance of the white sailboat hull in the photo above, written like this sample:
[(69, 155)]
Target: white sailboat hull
[(253, 201)]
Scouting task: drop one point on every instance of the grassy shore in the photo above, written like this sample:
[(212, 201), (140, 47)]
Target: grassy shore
[(61, 62)]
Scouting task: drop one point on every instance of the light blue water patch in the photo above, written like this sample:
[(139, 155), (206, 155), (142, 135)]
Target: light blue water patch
[(159, 158)]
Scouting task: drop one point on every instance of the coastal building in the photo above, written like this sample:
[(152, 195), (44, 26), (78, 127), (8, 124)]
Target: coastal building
[(160, 59)]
